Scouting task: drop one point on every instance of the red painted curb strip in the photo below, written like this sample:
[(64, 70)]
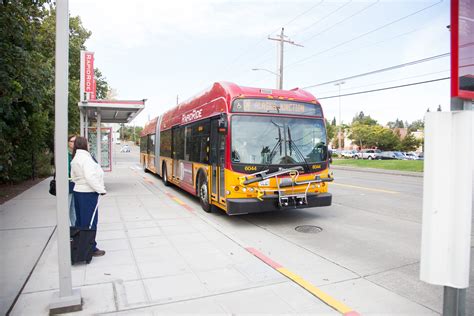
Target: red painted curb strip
[(264, 258)]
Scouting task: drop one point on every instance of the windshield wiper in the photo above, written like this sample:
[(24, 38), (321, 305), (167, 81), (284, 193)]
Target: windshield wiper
[(291, 142), (272, 152)]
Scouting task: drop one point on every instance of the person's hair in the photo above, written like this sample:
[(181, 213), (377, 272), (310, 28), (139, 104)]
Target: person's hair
[(71, 137), (79, 143)]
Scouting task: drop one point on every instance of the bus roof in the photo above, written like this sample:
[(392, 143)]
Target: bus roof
[(218, 99), (150, 127)]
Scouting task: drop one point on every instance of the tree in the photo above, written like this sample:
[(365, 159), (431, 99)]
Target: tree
[(23, 102), (360, 134), (27, 43), (363, 119), (397, 124), (409, 143), (416, 126), (330, 131), (333, 121)]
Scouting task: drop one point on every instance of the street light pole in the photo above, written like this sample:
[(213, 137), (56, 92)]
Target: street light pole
[(272, 72), (339, 84)]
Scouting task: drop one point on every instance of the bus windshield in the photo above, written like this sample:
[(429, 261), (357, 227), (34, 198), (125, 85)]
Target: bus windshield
[(277, 140)]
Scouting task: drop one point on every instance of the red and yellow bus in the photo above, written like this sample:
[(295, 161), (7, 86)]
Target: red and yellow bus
[(242, 150)]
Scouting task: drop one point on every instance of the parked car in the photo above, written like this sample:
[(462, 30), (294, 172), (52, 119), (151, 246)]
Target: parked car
[(385, 155), (349, 153), (125, 149), (412, 156), (399, 155), (368, 154)]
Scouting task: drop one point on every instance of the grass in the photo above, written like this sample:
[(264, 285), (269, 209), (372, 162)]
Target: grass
[(402, 165)]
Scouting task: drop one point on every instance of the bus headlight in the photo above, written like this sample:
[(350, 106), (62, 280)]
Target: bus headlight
[(250, 189), (244, 190)]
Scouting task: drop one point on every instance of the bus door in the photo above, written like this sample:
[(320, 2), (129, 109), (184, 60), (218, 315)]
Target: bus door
[(217, 159), (177, 152)]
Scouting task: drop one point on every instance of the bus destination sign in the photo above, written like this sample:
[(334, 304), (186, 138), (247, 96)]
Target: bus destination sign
[(276, 107)]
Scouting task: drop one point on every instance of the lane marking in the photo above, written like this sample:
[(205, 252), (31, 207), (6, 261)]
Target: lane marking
[(321, 295), (365, 188), (184, 205)]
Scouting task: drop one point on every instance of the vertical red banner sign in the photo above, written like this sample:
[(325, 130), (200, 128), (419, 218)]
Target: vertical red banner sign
[(462, 49), (88, 72)]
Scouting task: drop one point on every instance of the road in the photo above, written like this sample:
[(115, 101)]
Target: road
[(367, 252)]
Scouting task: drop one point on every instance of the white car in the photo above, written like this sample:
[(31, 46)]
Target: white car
[(125, 149)]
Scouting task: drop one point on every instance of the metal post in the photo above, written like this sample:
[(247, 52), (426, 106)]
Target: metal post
[(454, 299), (81, 122), (340, 120), (280, 82), (66, 299), (282, 40), (86, 127), (99, 149)]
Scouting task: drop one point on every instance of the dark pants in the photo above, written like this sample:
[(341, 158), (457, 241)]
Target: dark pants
[(85, 203)]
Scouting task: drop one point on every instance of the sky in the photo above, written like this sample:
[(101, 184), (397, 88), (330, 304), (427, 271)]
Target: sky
[(164, 50)]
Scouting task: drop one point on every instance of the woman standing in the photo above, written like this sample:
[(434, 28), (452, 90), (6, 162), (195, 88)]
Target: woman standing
[(89, 183), (72, 210)]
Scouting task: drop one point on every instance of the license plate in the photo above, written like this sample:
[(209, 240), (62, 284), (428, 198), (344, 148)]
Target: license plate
[(264, 183)]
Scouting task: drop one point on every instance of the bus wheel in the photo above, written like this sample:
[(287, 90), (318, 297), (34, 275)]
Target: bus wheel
[(164, 176), (203, 194)]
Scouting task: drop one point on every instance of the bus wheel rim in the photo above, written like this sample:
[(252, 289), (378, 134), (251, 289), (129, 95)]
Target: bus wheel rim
[(203, 192)]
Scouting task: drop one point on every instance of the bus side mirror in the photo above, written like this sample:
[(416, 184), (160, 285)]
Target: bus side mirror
[(222, 125)]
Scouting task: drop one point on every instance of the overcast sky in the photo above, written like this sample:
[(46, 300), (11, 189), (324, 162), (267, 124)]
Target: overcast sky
[(160, 49)]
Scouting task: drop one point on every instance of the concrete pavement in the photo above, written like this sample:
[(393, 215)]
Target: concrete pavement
[(162, 257)]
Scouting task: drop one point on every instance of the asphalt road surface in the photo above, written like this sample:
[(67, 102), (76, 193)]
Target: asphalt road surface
[(368, 249)]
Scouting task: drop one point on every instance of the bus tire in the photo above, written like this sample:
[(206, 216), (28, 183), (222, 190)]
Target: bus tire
[(164, 175), (203, 193)]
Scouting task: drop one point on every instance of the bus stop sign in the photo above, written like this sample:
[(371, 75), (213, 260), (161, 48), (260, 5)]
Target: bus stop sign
[(462, 49)]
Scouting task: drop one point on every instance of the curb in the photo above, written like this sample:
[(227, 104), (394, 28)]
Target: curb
[(381, 171)]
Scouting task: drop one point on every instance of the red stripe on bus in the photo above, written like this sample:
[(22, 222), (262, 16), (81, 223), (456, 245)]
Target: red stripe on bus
[(264, 258)]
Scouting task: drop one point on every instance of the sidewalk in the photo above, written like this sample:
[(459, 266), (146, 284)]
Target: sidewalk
[(162, 258)]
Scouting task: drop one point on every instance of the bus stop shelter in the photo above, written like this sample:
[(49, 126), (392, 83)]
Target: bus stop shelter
[(106, 111)]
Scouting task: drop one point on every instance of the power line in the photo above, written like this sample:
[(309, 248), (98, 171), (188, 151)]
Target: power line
[(342, 21), (419, 61), (362, 47), (364, 34), (389, 81), (386, 88), (326, 16), (252, 47)]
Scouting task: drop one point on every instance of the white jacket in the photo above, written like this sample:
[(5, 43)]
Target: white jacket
[(86, 174)]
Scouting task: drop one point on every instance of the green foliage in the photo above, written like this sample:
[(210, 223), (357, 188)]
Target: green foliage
[(27, 45), (363, 119), (409, 143), (130, 133), (397, 124), (416, 126), (402, 165), (330, 131)]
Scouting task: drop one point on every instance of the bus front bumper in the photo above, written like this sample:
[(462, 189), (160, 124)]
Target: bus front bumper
[(270, 203)]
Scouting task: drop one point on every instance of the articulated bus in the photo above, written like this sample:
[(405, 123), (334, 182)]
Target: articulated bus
[(242, 150)]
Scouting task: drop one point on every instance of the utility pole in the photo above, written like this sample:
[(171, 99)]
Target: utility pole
[(177, 99), (282, 40), (339, 135)]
